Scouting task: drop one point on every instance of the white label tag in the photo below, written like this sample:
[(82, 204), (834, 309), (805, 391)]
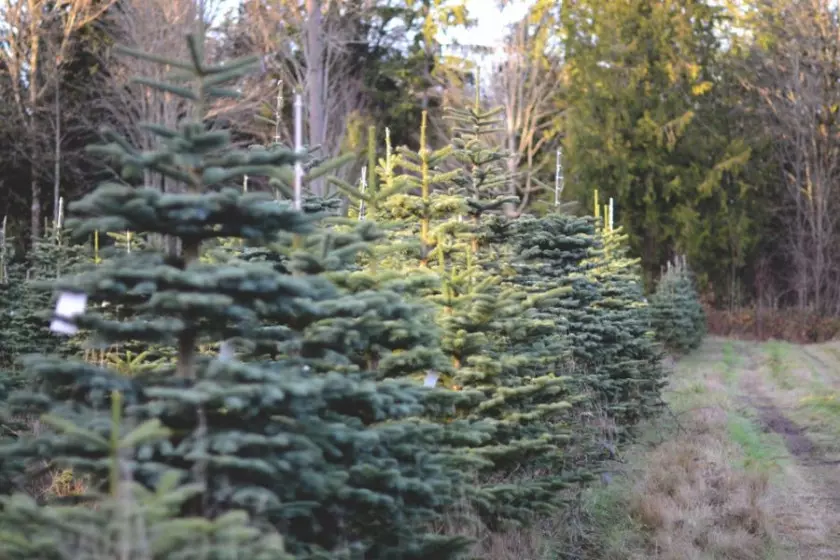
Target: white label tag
[(69, 305), (226, 351), (431, 379)]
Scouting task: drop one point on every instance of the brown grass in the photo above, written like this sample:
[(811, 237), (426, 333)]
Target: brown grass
[(705, 483), (63, 484), (42, 481), (789, 324), (689, 501), (695, 503)]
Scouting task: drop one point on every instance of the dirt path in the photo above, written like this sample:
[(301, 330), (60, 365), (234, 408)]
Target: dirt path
[(771, 389)]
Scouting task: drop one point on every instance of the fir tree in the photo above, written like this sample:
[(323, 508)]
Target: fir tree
[(334, 459), (51, 256), (487, 326), (629, 360), (129, 521), (678, 315)]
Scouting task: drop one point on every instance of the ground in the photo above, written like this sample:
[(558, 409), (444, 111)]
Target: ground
[(745, 463)]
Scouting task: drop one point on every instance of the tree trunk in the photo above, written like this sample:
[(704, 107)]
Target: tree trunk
[(35, 209)]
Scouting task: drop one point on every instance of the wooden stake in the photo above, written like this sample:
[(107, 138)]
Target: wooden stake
[(597, 206), (278, 111)]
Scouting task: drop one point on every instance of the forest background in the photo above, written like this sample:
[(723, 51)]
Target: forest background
[(713, 125)]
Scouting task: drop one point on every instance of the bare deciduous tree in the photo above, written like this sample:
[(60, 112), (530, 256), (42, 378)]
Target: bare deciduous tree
[(306, 46), (526, 84), (797, 81), (36, 36), (159, 28)]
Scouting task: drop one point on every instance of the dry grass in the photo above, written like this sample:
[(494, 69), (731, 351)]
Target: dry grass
[(63, 484), (542, 540), (706, 483), (689, 497), (720, 487), (787, 324), (695, 502)]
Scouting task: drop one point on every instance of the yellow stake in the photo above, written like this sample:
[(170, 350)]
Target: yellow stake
[(597, 206)]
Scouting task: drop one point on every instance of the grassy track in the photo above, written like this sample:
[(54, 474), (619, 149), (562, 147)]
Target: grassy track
[(746, 465)]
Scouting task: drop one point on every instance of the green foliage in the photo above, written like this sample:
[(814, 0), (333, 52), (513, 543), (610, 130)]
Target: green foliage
[(294, 425), (646, 125), (270, 362), (130, 521), (25, 293), (629, 358), (677, 312)]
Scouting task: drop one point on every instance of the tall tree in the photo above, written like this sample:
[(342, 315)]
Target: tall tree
[(792, 71), (526, 85), (640, 80), (37, 36), (355, 62)]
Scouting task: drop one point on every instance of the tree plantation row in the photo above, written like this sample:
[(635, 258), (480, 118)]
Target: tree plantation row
[(226, 375)]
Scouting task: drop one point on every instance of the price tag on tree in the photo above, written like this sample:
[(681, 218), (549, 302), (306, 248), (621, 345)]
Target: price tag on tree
[(226, 351), (68, 306), (431, 378)]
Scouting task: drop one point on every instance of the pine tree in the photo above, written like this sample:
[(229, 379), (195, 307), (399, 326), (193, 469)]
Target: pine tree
[(335, 459)]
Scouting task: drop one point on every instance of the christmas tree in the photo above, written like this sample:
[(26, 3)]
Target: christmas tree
[(678, 315), (333, 457), (629, 359), (28, 292), (129, 521)]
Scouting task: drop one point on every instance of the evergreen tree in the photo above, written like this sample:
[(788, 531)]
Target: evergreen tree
[(641, 93), (334, 459), (629, 359), (52, 255), (129, 521), (12, 278), (678, 316), (448, 224), (553, 265)]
